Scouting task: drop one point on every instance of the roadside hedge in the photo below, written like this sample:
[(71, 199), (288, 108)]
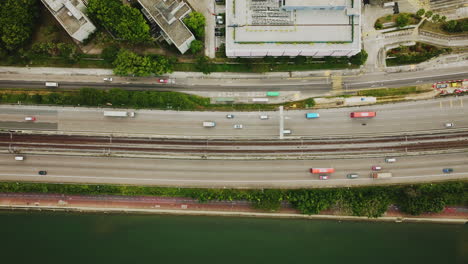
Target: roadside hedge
[(361, 201)]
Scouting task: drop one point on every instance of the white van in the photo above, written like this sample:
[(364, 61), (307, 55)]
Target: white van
[(390, 160), (19, 158)]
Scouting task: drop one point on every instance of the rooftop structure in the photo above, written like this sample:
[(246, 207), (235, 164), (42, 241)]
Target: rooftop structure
[(70, 14), (258, 28), (169, 15)]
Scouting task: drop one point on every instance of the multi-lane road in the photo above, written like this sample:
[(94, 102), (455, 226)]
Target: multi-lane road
[(228, 173), (398, 118)]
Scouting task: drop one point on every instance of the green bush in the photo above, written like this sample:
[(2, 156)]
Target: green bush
[(196, 46), (402, 20)]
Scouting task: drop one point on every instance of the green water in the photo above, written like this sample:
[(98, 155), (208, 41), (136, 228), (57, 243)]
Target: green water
[(47, 237)]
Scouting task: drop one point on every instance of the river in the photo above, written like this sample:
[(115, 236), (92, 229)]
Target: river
[(66, 238)]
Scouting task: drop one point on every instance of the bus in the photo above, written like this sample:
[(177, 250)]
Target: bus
[(272, 93), (322, 170), (362, 114)]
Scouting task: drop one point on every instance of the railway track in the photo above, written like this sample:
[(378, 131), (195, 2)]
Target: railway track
[(23, 143)]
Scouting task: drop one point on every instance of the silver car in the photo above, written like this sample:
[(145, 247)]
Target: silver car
[(238, 126)]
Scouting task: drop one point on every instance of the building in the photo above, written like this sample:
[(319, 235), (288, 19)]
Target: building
[(258, 28), (70, 14), (169, 15)]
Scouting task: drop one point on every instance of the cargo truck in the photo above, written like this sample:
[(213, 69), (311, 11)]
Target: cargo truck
[(381, 175), (119, 113), (209, 124)]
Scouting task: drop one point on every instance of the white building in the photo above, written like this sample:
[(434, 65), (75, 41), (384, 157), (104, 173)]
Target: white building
[(70, 14), (169, 15), (258, 28)]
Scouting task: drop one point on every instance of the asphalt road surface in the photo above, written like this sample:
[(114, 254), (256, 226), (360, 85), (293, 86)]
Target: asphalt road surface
[(398, 118), (228, 173)]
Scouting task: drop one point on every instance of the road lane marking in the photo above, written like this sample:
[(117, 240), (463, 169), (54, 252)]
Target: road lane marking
[(228, 181)]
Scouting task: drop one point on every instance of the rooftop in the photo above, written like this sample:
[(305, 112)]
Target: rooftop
[(70, 14), (287, 24), (168, 14)]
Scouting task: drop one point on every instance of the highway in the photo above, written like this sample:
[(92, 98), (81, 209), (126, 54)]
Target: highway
[(315, 84), (398, 118), (227, 173)]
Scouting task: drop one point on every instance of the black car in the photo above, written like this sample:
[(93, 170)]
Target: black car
[(42, 172)]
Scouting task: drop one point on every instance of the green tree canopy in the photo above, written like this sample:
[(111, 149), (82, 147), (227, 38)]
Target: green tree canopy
[(17, 19), (124, 21), (196, 46), (402, 20), (130, 63), (420, 12), (196, 23)]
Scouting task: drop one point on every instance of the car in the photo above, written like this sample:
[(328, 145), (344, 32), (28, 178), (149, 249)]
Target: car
[(30, 118), (447, 170), (238, 126), (219, 34), (441, 86), (42, 172), (264, 117), (376, 168), (323, 177), (163, 80), (107, 79), (219, 20), (312, 115), (287, 131), (352, 176), (390, 160), (229, 116), (449, 125)]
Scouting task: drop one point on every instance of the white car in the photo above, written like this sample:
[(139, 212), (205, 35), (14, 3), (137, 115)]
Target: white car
[(449, 125), (238, 126), (264, 117), (108, 79)]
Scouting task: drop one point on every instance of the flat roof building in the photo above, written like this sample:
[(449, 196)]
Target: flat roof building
[(169, 15), (70, 14), (258, 28)]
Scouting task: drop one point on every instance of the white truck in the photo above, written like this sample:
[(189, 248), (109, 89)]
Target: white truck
[(209, 124), (119, 113), (51, 84)]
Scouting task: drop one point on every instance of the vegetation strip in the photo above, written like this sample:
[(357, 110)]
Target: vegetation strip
[(360, 201), (117, 97)]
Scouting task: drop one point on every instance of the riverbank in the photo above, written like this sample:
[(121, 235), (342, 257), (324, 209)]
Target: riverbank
[(188, 206)]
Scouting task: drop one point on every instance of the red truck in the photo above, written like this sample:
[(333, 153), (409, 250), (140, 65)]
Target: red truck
[(322, 170), (362, 114)]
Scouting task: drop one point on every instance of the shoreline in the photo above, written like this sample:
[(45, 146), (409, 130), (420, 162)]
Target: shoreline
[(84, 209)]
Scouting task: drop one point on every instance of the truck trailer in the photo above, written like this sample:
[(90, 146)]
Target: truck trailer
[(381, 175), (119, 113)]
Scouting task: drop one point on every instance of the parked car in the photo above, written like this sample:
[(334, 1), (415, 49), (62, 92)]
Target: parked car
[(42, 172), (230, 116), (449, 125), (323, 177), (219, 20), (376, 168), (447, 170), (30, 118), (238, 126)]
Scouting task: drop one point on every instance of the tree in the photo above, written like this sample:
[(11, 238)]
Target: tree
[(124, 21), (203, 65), (429, 14), (420, 13), (17, 19), (130, 63), (443, 18), (436, 18), (109, 53), (196, 23), (402, 20), (196, 46), (450, 26), (359, 59)]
